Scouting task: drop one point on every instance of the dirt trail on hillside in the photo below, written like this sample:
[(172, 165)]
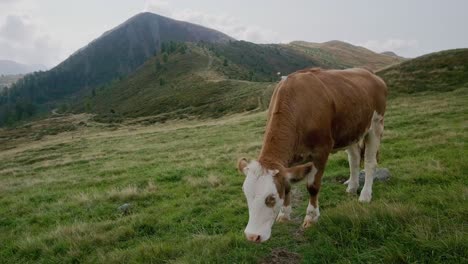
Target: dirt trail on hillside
[(208, 72)]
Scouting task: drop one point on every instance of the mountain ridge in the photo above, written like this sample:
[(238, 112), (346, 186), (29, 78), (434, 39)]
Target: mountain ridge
[(114, 57), (145, 15), (174, 87), (438, 71), (346, 54)]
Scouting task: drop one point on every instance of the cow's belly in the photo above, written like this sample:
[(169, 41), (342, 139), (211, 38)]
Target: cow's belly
[(344, 146), (348, 131)]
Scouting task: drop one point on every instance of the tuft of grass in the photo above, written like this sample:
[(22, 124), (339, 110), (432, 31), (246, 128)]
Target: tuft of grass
[(123, 194)]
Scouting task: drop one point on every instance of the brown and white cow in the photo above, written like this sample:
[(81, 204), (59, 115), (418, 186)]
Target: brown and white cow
[(313, 113)]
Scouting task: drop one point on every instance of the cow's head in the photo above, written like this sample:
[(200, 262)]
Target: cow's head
[(265, 189)]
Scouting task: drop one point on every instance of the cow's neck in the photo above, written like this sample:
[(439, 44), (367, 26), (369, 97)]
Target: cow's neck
[(280, 141)]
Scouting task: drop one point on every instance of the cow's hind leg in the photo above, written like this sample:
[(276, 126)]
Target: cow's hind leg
[(354, 159), (372, 141), (285, 212)]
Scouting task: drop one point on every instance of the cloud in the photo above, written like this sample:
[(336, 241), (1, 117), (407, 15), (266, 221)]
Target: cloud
[(400, 46), (222, 22), (15, 29), (7, 2), (24, 40), (17, 7), (158, 7)]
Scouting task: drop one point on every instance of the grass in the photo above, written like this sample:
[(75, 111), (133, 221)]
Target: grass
[(59, 195)]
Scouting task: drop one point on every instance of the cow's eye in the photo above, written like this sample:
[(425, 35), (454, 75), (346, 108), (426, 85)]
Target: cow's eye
[(270, 201)]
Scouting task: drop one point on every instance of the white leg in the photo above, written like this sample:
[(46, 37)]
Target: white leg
[(354, 159), (312, 216), (370, 157)]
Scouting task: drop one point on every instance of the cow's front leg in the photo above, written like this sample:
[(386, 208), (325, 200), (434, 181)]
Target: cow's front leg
[(313, 211), (314, 181), (285, 212)]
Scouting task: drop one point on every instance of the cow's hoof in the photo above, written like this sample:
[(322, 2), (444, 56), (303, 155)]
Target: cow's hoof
[(352, 187), (312, 216), (309, 221), (282, 218), (351, 190), (365, 197)]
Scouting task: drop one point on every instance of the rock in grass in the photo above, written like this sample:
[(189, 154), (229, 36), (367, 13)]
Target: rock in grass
[(125, 208), (381, 174)]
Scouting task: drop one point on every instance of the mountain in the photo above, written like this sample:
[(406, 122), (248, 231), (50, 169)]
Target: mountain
[(440, 71), (113, 65), (338, 54), (114, 55), (390, 53), (8, 67), (393, 54), (205, 79)]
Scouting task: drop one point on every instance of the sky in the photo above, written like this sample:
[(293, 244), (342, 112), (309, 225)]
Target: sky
[(48, 31)]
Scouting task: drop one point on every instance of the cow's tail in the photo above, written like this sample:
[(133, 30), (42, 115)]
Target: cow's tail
[(362, 148)]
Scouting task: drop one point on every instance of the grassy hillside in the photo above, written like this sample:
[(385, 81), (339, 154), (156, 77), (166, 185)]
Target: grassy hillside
[(148, 90), (208, 80), (60, 195), (262, 62), (338, 54), (440, 71), (189, 81)]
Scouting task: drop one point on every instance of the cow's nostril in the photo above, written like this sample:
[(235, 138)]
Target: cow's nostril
[(253, 238)]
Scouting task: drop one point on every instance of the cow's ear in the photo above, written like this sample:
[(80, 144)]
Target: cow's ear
[(242, 165), (298, 172), (273, 172)]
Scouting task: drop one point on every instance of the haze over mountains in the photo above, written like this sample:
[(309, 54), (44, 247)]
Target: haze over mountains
[(8, 67), (153, 65)]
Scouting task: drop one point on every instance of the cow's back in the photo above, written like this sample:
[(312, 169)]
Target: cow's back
[(330, 103), (357, 95)]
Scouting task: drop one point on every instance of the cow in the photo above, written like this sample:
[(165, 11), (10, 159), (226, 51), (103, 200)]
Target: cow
[(313, 113)]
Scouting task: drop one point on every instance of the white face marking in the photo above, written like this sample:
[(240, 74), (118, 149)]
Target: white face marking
[(258, 185)]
